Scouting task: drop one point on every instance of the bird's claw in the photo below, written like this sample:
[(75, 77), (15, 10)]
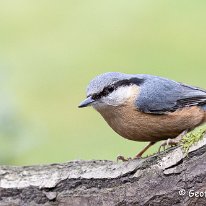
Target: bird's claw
[(123, 159), (168, 142), (173, 142)]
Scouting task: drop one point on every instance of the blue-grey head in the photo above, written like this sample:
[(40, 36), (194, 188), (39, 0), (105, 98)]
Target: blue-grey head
[(110, 89)]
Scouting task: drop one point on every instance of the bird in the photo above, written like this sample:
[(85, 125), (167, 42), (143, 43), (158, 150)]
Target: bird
[(146, 108)]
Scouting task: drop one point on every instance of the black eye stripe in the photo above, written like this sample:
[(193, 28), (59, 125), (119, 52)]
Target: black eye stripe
[(105, 92), (109, 89)]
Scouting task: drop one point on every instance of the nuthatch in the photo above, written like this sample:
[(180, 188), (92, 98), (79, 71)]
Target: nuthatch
[(144, 107)]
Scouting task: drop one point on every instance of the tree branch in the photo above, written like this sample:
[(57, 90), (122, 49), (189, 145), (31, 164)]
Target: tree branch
[(155, 180)]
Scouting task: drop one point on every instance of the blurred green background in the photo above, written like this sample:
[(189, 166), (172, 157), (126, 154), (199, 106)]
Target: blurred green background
[(49, 52)]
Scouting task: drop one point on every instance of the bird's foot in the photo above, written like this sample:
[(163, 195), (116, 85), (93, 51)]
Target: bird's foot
[(138, 156), (168, 142), (172, 142), (123, 159)]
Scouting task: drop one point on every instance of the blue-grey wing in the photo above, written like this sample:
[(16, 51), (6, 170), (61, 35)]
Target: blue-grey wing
[(159, 95)]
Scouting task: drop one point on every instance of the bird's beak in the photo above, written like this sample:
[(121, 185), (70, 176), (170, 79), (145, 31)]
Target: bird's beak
[(88, 101)]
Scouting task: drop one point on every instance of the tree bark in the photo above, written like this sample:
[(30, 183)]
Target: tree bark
[(168, 178)]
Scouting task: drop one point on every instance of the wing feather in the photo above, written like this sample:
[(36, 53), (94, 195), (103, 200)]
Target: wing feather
[(159, 96)]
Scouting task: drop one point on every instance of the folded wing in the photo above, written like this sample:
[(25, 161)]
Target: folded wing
[(159, 96)]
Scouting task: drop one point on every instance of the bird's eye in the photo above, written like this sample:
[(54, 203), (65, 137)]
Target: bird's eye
[(110, 89), (103, 93)]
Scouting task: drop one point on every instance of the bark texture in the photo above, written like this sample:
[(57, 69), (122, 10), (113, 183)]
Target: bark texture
[(169, 178)]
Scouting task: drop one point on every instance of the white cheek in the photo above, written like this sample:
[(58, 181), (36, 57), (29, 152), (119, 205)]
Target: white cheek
[(119, 96)]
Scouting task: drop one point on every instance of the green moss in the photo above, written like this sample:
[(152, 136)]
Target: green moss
[(192, 137)]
